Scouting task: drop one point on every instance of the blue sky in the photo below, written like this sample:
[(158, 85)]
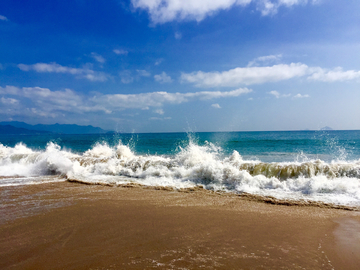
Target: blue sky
[(170, 65)]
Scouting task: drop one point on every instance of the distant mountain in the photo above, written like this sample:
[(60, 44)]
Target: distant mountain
[(57, 128), (7, 129), (326, 128)]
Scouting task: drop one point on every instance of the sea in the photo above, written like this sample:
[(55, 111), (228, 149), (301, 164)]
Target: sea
[(317, 166)]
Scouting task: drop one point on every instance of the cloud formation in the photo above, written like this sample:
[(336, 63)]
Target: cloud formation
[(158, 62), (9, 101), (163, 78), (270, 7), (44, 102), (216, 106), (84, 73), (178, 35), (162, 11), (334, 75), (98, 57), (258, 75), (120, 51), (3, 18), (126, 76), (275, 93), (265, 60), (143, 73), (247, 75), (278, 95), (301, 96)]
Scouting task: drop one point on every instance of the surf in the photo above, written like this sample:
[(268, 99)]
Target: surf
[(191, 165)]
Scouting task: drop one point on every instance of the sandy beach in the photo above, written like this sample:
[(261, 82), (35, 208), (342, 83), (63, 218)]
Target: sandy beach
[(74, 226)]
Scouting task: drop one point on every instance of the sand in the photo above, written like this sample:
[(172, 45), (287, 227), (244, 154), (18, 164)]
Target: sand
[(75, 226)]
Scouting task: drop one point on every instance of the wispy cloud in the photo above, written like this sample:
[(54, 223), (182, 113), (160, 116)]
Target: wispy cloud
[(158, 62), (271, 7), (98, 57), (120, 51), (159, 118), (158, 99), (216, 106), (247, 75), (43, 100), (335, 75), (11, 101), (163, 78), (275, 93), (178, 35), (126, 76), (162, 11), (265, 74), (85, 73), (46, 103), (278, 95), (159, 111), (3, 18), (265, 60), (143, 73), (301, 96)]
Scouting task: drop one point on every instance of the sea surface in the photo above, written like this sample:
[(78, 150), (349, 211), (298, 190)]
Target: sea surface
[(321, 166)]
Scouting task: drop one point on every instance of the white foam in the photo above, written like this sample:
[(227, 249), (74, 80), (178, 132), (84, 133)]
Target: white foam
[(336, 182)]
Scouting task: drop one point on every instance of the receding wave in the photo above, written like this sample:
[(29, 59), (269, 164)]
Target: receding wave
[(336, 182)]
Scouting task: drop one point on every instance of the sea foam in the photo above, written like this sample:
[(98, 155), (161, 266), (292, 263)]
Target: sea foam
[(335, 182)]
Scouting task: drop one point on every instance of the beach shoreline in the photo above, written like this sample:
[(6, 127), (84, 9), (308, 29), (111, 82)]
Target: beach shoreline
[(74, 226)]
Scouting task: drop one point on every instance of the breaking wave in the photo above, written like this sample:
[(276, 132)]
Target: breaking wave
[(336, 182)]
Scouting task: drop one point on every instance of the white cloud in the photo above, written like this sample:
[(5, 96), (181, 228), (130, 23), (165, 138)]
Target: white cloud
[(265, 60), (216, 106), (301, 96), (163, 78), (126, 76), (275, 93), (264, 74), (158, 62), (278, 95), (47, 102), (98, 57), (162, 11), (10, 101), (247, 75), (85, 72), (159, 118), (158, 99), (120, 51), (143, 73), (159, 111), (178, 35), (3, 18), (270, 7), (334, 75)]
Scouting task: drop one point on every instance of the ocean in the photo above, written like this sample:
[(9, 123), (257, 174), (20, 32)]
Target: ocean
[(321, 166)]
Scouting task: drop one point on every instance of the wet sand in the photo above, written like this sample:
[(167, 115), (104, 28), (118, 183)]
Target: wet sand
[(74, 226)]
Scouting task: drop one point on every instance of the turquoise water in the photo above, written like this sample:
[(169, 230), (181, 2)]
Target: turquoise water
[(301, 165), (265, 146)]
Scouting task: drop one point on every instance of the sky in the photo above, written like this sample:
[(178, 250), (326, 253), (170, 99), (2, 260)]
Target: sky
[(175, 66)]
